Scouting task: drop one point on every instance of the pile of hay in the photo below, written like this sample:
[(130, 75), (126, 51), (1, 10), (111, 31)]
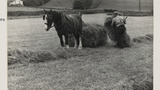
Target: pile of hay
[(23, 56), (147, 39), (111, 32), (137, 82), (93, 35)]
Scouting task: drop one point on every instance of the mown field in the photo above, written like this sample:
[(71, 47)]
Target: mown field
[(30, 33), (102, 68)]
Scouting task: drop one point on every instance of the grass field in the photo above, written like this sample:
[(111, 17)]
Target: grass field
[(24, 35), (23, 9), (99, 68)]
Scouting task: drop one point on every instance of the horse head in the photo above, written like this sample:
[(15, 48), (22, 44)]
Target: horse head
[(49, 18)]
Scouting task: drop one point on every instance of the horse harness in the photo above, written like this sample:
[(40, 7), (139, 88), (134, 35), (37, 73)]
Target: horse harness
[(63, 22)]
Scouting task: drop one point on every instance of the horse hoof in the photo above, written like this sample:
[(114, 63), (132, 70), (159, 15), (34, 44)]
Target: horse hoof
[(79, 48), (67, 46)]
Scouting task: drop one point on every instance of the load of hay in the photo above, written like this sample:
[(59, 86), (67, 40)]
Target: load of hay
[(93, 35), (111, 32)]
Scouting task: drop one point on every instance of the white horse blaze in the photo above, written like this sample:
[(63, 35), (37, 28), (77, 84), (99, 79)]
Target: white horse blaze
[(67, 46), (75, 42), (80, 43)]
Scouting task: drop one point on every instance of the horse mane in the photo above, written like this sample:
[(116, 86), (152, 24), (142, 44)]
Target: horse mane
[(59, 19), (62, 20)]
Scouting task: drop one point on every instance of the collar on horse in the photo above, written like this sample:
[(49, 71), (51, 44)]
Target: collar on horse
[(63, 21)]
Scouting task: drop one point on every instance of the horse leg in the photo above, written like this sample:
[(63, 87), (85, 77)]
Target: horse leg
[(75, 40), (66, 40), (61, 39), (79, 41)]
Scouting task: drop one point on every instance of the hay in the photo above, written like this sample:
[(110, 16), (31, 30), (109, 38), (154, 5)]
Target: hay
[(26, 57), (93, 35), (111, 33), (23, 56), (64, 53), (145, 39), (137, 82)]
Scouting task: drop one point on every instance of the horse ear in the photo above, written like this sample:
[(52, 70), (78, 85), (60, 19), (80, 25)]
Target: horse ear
[(43, 17), (45, 11), (51, 12)]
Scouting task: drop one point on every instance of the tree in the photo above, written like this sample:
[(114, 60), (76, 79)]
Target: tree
[(77, 4), (86, 4)]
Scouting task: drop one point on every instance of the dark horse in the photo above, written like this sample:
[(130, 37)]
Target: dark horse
[(65, 25)]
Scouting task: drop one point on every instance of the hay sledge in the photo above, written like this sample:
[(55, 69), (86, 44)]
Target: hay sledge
[(93, 35)]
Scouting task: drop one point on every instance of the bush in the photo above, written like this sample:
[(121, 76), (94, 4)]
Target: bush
[(34, 2), (77, 4), (24, 13), (109, 10), (82, 4)]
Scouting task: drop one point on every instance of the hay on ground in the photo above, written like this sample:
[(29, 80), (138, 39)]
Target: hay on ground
[(147, 38), (23, 56), (93, 35), (137, 82)]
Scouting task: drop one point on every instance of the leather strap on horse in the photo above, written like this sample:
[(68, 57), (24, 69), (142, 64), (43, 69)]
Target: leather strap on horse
[(63, 17), (73, 26)]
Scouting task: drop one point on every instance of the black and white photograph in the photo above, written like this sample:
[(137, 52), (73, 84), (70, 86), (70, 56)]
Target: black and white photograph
[(80, 44)]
